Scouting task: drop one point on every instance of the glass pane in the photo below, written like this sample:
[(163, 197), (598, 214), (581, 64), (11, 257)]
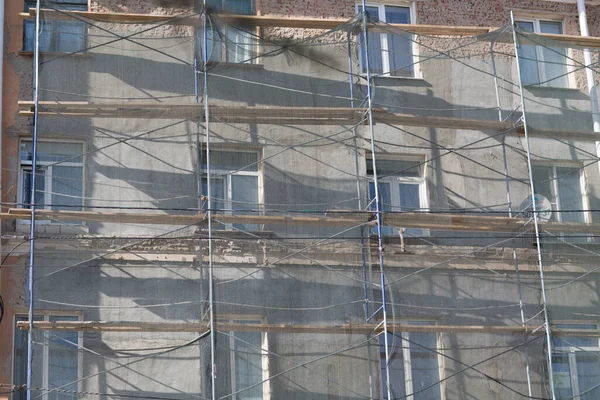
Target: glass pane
[(28, 35), (385, 196), (46, 36), (240, 46), (242, 7), (217, 189), (528, 60), (375, 50), (53, 151), (403, 168), (554, 57), (554, 27), (214, 5), (399, 46), (215, 46), (248, 365), (396, 365), (386, 203), (424, 365), (40, 185), (588, 375), (232, 161), (573, 341), (570, 193), (562, 376), (62, 361), (555, 62), (70, 36), (67, 188), (244, 193), (20, 358), (410, 198), (543, 183)]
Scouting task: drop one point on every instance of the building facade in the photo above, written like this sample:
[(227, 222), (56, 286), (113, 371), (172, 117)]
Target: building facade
[(249, 200)]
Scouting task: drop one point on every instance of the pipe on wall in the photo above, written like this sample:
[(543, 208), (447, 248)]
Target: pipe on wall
[(589, 73)]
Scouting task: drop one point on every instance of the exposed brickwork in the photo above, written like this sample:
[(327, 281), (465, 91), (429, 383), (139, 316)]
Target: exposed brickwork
[(309, 8)]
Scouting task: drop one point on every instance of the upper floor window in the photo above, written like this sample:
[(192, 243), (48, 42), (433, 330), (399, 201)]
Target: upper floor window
[(413, 364), (236, 45), (59, 175), (56, 360), (240, 7), (246, 361), (576, 364), (401, 188), (57, 35), (390, 54), (564, 187), (235, 184), (543, 65)]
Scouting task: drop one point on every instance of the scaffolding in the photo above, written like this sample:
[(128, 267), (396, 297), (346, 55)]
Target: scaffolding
[(236, 206)]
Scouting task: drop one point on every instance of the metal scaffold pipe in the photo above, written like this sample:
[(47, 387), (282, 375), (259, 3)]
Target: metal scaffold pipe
[(589, 72), (535, 215), (378, 201), (213, 366), (30, 294)]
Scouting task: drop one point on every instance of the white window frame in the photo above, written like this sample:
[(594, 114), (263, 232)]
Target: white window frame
[(28, 166), (540, 54), (406, 359), (223, 44), (582, 183), (394, 181), (385, 56), (221, 174), (45, 315), (245, 319), (56, 25), (571, 351)]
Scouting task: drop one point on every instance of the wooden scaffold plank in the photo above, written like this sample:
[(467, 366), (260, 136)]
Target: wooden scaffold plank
[(354, 329), (307, 23)]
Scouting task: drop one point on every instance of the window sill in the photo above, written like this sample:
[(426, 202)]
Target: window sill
[(27, 53), (543, 87), (377, 76), (235, 65)]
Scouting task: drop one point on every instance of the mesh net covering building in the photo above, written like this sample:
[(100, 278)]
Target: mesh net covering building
[(229, 208)]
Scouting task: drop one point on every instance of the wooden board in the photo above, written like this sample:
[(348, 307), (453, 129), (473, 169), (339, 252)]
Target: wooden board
[(354, 329), (257, 114), (434, 221), (307, 23)]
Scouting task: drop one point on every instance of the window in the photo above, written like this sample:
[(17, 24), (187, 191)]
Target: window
[(56, 35), (401, 188), (56, 360), (59, 175), (576, 364), (226, 43), (564, 187), (246, 362), (240, 7), (542, 66), (413, 367), (235, 183), (390, 54)]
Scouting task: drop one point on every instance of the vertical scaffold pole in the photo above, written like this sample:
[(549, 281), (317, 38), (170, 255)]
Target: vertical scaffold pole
[(360, 208), (535, 216), (377, 198), (213, 366), (510, 214), (30, 298)]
